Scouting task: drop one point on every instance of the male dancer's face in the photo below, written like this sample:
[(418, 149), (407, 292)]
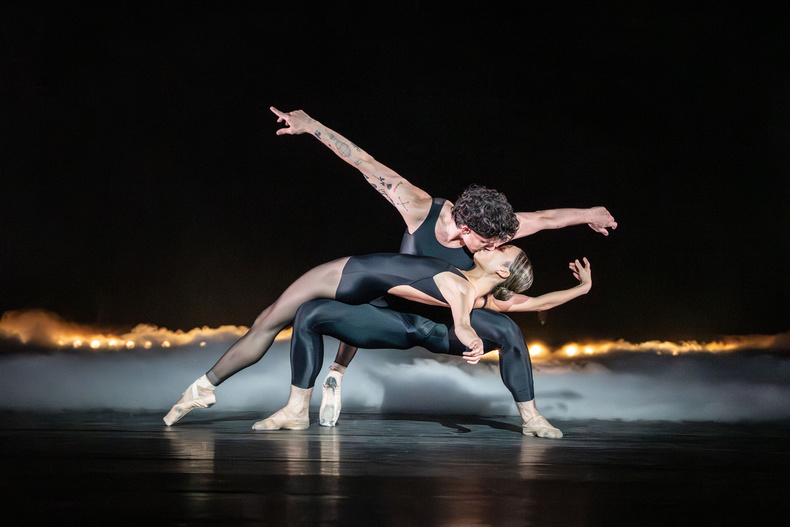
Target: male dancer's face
[(474, 242), (495, 258)]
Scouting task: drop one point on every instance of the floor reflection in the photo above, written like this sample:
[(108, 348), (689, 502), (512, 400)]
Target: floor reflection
[(390, 470)]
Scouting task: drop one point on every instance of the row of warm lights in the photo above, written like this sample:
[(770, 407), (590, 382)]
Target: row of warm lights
[(115, 343), (535, 349), (105, 343), (569, 350), (539, 350)]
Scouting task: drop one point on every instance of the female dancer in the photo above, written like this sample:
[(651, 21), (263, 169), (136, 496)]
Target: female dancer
[(318, 318), (357, 280)]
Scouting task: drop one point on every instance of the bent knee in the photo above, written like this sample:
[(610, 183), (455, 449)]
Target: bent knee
[(497, 327), (314, 311)]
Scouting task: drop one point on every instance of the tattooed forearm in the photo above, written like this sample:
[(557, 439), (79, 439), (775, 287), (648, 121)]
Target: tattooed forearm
[(370, 169), (342, 148)]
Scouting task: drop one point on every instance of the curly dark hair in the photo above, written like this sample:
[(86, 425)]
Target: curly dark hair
[(486, 212)]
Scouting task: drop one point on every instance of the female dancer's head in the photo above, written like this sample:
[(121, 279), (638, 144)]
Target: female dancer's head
[(487, 214), (512, 264)]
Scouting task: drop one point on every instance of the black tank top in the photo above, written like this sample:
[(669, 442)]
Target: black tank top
[(424, 243)]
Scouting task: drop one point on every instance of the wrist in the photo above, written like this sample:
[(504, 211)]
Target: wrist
[(314, 127)]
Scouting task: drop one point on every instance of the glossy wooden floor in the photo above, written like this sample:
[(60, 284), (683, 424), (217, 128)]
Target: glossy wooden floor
[(108, 468)]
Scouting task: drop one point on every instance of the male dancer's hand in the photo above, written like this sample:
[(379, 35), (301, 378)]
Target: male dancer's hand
[(297, 122), (599, 220)]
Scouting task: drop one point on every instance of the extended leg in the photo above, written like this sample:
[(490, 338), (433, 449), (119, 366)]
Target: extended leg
[(319, 282)]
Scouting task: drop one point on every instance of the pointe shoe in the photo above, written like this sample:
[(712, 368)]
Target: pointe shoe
[(193, 397), (283, 419), (540, 427), (330, 401)]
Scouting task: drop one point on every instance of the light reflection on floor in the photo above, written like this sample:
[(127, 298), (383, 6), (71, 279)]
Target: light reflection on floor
[(378, 469)]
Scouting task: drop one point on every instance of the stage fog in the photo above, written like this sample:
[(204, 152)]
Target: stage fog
[(148, 368)]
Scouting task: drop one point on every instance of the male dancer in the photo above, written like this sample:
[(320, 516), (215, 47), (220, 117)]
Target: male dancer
[(433, 229)]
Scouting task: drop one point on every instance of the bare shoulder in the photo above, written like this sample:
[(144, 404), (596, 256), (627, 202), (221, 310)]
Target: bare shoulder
[(454, 283)]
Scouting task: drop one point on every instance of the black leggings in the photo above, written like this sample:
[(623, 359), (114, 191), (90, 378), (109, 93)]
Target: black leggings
[(370, 327)]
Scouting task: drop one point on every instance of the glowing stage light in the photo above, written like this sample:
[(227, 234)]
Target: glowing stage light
[(536, 349)]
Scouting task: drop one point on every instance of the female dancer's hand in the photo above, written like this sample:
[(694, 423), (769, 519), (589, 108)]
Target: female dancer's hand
[(582, 272), (297, 122), (476, 350)]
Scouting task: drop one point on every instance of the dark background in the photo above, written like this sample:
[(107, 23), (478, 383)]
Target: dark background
[(142, 180)]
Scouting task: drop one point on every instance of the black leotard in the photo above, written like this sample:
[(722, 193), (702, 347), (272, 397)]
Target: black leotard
[(368, 277), (424, 242)]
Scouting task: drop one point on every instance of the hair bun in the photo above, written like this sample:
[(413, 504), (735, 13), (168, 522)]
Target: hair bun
[(503, 293)]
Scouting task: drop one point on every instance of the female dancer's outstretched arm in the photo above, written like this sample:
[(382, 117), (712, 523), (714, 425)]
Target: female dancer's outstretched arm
[(518, 302), (581, 271)]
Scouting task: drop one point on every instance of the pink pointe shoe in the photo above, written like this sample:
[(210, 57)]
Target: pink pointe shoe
[(330, 400), (194, 397)]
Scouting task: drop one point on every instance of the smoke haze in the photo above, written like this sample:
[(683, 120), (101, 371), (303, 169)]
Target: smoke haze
[(628, 386)]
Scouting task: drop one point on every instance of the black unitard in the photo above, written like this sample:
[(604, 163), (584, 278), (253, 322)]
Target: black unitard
[(366, 278), (409, 324)]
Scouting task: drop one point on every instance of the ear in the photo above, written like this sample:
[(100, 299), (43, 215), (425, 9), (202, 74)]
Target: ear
[(465, 229), (503, 272)]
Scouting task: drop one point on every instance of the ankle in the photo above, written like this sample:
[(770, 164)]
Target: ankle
[(339, 368), (527, 410), (205, 385), (299, 400)]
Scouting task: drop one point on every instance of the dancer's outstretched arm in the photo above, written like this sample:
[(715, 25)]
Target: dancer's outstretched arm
[(412, 202), (598, 218), (519, 302)]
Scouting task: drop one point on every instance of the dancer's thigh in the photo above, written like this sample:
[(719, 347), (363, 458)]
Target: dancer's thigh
[(366, 326)]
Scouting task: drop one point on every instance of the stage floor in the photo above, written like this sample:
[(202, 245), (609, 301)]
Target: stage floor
[(120, 468)]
